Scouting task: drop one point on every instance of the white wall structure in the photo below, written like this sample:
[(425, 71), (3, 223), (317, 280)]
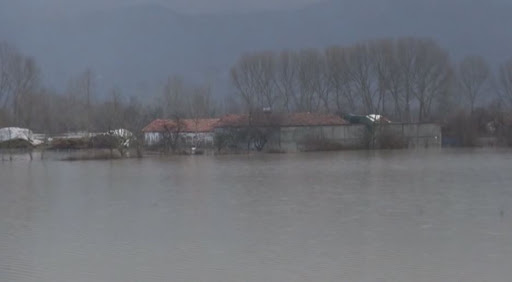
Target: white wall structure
[(189, 139), (192, 132)]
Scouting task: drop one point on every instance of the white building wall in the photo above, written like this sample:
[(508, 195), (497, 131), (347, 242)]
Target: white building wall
[(152, 138), (200, 139)]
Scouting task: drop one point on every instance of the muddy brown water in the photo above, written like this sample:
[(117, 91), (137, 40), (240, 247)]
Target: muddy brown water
[(438, 215)]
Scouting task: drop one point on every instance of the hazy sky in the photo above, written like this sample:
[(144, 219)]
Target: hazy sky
[(188, 6)]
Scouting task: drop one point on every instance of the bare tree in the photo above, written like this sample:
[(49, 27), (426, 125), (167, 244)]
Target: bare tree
[(432, 76), (201, 103), (86, 84), (320, 79), (310, 76), (407, 53), (362, 74), (505, 82), (338, 78), (285, 79), (200, 106), (137, 115), (173, 97), (473, 75), (112, 117), (385, 68), (81, 97), (7, 54), (261, 125), (19, 78), (254, 81), (171, 135), (391, 78), (423, 77), (45, 106), (25, 78), (244, 80), (265, 80), (72, 108)]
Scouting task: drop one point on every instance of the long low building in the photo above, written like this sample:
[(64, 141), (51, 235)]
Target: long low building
[(314, 132), (293, 132), (290, 132)]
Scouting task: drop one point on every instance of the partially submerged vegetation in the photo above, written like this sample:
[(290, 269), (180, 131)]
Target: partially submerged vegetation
[(101, 146), (411, 80), (70, 144), (16, 144), (483, 127)]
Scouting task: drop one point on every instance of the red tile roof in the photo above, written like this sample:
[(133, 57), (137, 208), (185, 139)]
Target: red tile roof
[(283, 120), (187, 125)]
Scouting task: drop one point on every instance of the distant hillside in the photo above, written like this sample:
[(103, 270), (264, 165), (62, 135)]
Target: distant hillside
[(136, 47)]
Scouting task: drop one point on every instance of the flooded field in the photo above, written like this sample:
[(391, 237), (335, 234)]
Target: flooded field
[(440, 215)]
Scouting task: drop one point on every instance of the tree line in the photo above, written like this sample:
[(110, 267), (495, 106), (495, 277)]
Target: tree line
[(405, 79), (26, 102)]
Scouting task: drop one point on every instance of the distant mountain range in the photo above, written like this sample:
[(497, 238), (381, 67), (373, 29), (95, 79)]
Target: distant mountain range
[(136, 47)]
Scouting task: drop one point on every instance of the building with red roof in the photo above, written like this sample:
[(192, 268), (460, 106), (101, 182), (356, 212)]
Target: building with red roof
[(200, 132), (193, 132), (288, 132), (280, 120)]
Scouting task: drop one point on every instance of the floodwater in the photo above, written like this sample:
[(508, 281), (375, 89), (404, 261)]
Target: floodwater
[(440, 215)]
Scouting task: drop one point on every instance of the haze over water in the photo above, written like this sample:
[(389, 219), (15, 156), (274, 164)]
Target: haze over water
[(352, 216)]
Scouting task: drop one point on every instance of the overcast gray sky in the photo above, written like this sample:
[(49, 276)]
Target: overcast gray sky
[(187, 6)]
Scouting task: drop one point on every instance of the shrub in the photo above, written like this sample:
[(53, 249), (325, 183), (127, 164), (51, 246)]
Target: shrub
[(70, 144), (504, 133), (462, 129), (105, 141), (222, 140), (15, 144)]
